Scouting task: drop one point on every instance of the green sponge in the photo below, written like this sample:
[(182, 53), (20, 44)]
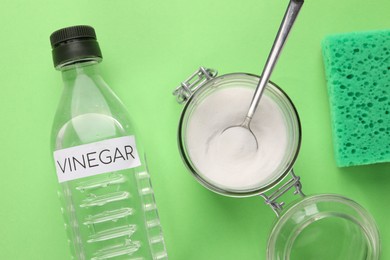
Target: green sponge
[(357, 67)]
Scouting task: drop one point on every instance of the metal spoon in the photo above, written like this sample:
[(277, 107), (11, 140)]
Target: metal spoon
[(284, 30)]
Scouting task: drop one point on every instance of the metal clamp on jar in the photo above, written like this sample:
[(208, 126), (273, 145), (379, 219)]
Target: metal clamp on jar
[(322, 226)]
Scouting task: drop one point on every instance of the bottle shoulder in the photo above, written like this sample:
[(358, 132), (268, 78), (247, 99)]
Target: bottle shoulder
[(89, 111)]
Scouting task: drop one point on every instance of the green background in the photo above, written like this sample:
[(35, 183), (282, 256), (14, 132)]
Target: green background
[(149, 48)]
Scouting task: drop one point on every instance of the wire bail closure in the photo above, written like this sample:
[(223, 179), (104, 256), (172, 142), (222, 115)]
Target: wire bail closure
[(188, 87), (293, 182)]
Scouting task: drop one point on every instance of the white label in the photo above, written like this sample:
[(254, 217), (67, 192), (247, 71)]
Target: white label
[(96, 158)]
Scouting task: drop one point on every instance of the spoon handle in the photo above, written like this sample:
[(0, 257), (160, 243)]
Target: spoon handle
[(284, 30)]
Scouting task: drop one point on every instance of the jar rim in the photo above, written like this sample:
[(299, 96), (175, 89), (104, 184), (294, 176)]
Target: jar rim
[(188, 163)]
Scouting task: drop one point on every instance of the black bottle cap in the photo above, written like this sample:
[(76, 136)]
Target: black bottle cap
[(73, 44)]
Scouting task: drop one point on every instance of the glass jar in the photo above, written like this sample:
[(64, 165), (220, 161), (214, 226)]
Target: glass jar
[(313, 227)]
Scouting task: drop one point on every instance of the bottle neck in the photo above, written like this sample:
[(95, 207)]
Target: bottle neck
[(70, 72)]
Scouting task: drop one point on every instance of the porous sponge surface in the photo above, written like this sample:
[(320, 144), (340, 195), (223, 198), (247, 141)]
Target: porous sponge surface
[(357, 67)]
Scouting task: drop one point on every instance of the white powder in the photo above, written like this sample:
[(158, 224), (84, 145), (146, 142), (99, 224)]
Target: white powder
[(231, 159)]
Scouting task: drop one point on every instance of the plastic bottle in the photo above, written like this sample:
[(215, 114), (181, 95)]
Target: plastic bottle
[(107, 199)]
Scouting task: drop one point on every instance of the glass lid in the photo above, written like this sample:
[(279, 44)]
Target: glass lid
[(324, 227)]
